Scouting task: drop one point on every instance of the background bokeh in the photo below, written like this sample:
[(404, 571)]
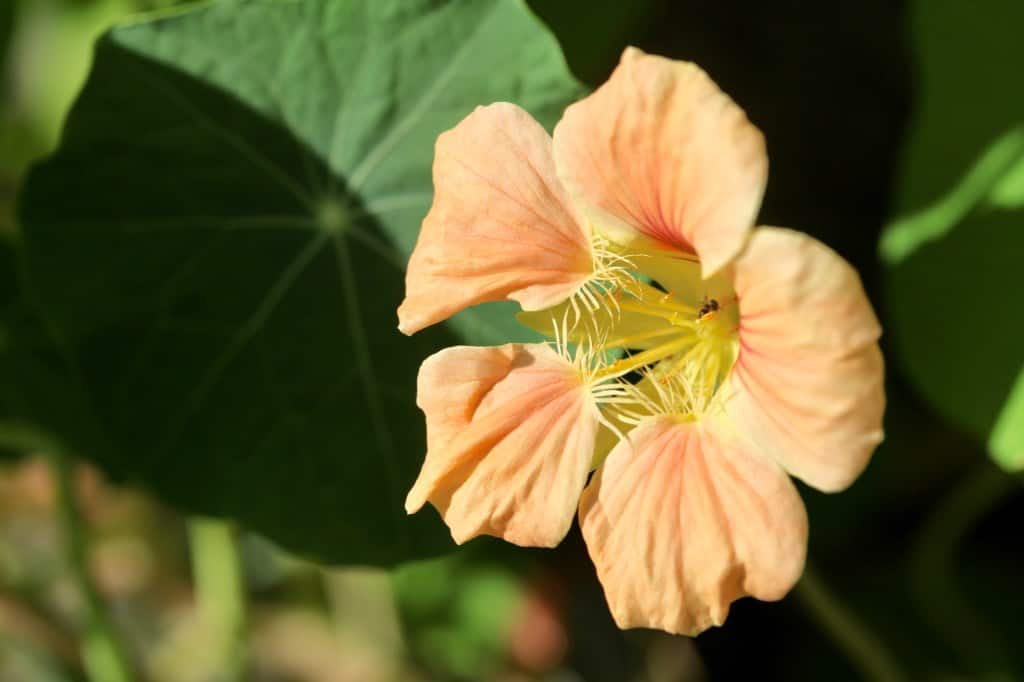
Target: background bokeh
[(896, 135)]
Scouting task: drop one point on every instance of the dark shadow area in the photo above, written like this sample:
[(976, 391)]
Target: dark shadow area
[(952, 309)]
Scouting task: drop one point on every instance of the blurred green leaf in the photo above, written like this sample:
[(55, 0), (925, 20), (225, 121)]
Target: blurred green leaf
[(6, 30), (424, 588), (1007, 440), (967, 93), (993, 178), (50, 47), (490, 600), (953, 255), (221, 237), (458, 612), (1008, 191)]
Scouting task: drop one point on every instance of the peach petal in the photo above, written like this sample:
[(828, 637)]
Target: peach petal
[(510, 436), (808, 384), (660, 150), (501, 225), (685, 518)]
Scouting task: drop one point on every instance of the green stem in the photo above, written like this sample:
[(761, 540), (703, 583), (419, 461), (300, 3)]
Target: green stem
[(220, 591), (865, 651), (934, 566), (101, 653)]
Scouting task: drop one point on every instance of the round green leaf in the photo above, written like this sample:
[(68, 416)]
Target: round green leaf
[(41, 405), (221, 238)]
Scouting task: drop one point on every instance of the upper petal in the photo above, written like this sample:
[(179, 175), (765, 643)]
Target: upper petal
[(510, 436), (808, 381), (661, 150), (501, 225), (685, 518)]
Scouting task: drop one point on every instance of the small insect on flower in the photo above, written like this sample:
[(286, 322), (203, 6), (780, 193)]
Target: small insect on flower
[(707, 307), (691, 408)]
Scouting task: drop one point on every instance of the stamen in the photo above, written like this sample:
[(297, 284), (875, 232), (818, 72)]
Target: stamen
[(664, 299), (672, 396), (648, 357), (633, 340), (675, 317), (613, 274), (612, 270), (691, 355), (610, 425), (687, 350)]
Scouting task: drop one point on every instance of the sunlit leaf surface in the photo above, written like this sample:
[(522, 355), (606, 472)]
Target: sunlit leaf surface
[(239, 188)]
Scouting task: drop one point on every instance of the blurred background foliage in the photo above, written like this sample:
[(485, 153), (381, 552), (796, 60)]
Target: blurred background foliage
[(896, 133)]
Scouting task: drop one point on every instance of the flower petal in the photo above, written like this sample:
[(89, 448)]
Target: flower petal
[(510, 436), (685, 518), (501, 225), (661, 150), (808, 381)]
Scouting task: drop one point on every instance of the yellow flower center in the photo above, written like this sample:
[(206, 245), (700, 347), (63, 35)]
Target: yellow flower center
[(641, 347)]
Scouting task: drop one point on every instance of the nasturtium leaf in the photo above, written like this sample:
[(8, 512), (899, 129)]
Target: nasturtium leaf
[(221, 239), (1008, 191), (6, 31), (41, 405), (953, 253)]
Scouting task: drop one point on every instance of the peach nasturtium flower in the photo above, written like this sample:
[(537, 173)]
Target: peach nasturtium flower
[(696, 361)]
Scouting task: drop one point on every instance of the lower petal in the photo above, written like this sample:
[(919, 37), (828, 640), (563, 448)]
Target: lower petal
[(684, 518), (808, 384), (510, 437)]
